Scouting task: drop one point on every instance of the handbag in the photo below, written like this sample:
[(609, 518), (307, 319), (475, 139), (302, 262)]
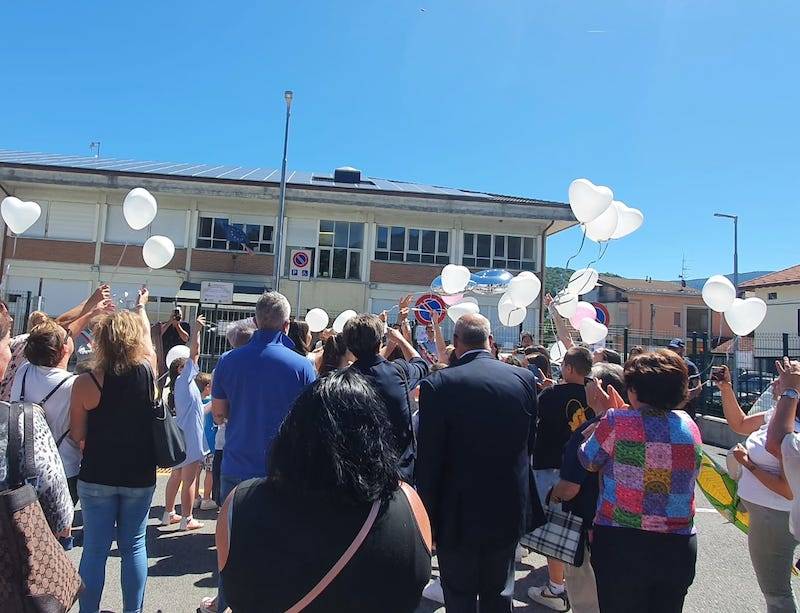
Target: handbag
[(409, 455), (168, 441), (561, 537), (36, 576)]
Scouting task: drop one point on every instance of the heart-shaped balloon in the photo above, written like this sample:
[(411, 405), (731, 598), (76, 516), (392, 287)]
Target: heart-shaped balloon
[(582, 281), (157, 251), (583, 310), (744, 316), (457, 311), (342, 319), (455, 278), (592, 331), (587, 200), (629, 219), (718, 293), (565, 303), (509, 313), (557, 352), (19, 215), (139, 208), (603, 227), (523, 290)]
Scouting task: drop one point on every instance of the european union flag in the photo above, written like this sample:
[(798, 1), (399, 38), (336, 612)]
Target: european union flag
[(237, 236)]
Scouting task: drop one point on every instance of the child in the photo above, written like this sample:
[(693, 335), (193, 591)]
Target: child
[(207, 503)]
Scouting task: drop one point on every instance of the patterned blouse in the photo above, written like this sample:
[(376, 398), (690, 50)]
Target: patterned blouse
[(52, 488), (648, 462)]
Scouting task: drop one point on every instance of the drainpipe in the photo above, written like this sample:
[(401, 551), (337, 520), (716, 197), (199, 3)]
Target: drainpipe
[(544, 274)]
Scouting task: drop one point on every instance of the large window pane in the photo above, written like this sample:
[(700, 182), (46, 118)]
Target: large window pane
[(444, 239), (253, 233), (382, 240), (484, 245), (356, 235), (219, 228), (413, 240), (326, 233), (500, 246), (326, 225), (354, 270), (340, 235), (398, 241), (267, 233), (428, 241), (324, 262), (469, 244), (205, 227), (514, 247), (527, 248), (339, 263)]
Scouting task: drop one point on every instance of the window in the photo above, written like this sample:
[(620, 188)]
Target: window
[(772, 296), (340, 246), (399, 244), (212, 233), (499, 251), (676, 318)]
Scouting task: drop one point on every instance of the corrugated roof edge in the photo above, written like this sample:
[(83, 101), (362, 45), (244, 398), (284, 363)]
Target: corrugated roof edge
[(413, 188)]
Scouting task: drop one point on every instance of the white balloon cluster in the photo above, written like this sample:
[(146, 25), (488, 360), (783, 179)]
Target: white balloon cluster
[(603, 218), (742, 315), (139, 209)]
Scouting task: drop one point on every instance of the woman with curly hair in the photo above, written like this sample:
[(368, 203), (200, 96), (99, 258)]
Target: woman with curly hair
[(333, 475)]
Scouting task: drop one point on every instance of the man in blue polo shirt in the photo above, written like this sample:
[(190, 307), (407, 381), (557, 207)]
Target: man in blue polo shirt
[(254, 387)]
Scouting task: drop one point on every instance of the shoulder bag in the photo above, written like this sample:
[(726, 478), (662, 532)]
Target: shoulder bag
[(562, 536), (168, 441), (36, 576)]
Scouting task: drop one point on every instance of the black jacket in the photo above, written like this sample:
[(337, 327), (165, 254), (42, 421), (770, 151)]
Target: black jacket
[(473, 463)]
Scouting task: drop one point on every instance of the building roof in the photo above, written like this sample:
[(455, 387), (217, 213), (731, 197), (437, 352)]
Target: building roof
[(645, 286), (787, 276), (248, 175)]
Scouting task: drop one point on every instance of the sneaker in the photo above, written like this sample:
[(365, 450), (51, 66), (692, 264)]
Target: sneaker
[(190, 523), (545, 596), (170, 518), (197, 502), (433, 591), (520, 553), (208, 505)]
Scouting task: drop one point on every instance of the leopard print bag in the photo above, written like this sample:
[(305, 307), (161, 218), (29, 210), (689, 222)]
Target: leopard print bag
[(36, 576)]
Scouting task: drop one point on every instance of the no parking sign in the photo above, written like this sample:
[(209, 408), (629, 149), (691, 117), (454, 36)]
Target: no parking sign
[(426, 303), (300, 265), (602, 313)]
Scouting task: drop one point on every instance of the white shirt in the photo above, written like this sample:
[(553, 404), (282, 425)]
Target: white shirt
[(750, 488), (790, 449), (39, 382)]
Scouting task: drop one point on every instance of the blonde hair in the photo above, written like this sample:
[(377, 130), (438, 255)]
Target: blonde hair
[(36, 318), (118, 343)]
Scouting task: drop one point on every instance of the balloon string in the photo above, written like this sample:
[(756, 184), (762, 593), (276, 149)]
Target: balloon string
[(8, 266), (119, 261), (583, 240)]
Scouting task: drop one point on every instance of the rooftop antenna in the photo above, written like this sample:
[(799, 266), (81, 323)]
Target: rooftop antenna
[(684, 270), (95, 146)]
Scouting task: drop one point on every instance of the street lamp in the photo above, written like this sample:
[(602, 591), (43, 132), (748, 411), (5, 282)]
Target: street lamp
[(279, 247), (735, 218)]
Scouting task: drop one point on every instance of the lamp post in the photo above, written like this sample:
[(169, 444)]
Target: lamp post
[(279, 246), (735, 218)]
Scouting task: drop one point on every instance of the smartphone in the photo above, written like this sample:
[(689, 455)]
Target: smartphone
[(717, 373)]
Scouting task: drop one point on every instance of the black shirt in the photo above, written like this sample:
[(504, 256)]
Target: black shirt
[(283, 542), (559, 406), (170, 338)]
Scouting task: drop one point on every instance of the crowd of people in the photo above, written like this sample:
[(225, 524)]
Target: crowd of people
[(347, 460)]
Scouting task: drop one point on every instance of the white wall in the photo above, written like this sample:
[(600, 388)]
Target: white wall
[(782, 313)]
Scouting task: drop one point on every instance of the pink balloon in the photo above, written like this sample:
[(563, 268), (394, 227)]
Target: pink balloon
[(451, 300), (582, 311)]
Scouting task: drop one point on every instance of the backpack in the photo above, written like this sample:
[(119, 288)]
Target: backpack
[(36, 576)]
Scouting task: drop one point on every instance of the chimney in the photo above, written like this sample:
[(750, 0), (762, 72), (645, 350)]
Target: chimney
[(347, 174)]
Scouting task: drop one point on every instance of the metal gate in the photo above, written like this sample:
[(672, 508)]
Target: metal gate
[(218, 317)]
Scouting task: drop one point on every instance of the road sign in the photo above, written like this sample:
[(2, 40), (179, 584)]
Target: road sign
[(602, 314), (300, 265), (433, 302), (216, 292)]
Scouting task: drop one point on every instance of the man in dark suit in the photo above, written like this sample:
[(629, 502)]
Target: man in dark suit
[(392, 380), (473, 469)]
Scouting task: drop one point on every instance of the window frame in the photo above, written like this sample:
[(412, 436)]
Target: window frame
[(410, 255), (772, 295), (471, 259), (235, 247), (329, 251)]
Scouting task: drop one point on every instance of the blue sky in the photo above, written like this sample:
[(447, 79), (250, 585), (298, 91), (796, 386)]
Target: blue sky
[(682, 107)]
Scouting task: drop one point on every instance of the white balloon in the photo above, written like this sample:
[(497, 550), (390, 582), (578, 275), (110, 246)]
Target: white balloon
[(456, 311), (565, 303), (509, 313), (317, 320), (139, 208), (587, 200), (19, 215), (344, 317), (718, 293), (455, 278), (526, 274), (603, 227), (158, 251), (630, 219), (592, 331), (178, 351), (582, 281), (744, 316), (522, 291), (557, 352)]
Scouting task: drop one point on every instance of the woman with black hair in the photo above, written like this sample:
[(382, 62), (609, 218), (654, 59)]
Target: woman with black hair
[(335, 355), (332, 490), (301, 336)]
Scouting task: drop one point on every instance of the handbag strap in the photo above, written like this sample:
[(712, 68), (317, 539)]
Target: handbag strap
[(341, 563)]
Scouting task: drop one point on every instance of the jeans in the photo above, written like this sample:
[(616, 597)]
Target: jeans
[(111, 513), (771, 548), (226, 485)]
